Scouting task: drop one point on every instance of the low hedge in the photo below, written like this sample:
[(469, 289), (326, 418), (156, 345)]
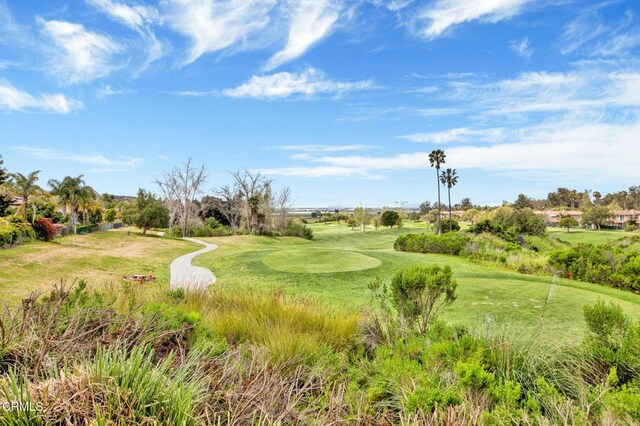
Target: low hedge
[(449, 243), (15, 232)]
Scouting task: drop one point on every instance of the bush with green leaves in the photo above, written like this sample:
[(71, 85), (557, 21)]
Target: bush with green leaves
[(14, 231), (449, 225), (614, 265), (110, 215), (298, 229), (418, 293), (448, 243), (389, 218)]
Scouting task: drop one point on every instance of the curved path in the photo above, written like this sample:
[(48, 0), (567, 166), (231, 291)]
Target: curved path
[(188, 277)]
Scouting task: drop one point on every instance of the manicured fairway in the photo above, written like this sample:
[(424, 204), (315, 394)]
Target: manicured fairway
[(324, 269), (589, 236), (100, 258)]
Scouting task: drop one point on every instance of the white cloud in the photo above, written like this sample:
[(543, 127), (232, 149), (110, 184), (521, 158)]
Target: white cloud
[(131, 16), (103, 163), (311, 21), (17, 100), (544, 92), (522, 48), (619, 45), (444, 14), (285, 84), (457, 135), (107, 90), (214, 25), (78, 55), (563, 151), (322, 148), (194, 93), (319, 172), (138, 18)]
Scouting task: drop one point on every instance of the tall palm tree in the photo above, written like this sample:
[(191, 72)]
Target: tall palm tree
[(25, 186), (437, 158), (71, 191), (449, 178)]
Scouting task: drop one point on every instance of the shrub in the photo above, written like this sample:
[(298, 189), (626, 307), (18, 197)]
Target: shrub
[(297, 229), (449, 243), (449, 225), (14, 231), (110, 215), (44, 229), (416, 290), (85, 229)]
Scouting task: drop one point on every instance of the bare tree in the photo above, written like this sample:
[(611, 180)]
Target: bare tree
[(182, 184), (284, 202), (230, 204), (171, 196), (253, 188)]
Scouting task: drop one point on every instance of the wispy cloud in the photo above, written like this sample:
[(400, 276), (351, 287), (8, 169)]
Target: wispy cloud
[(132, 16), (78, 55), (17, 100), (282, 85), (101, 163), (107, 91), (522, 47), (457, 135), (581, 151), (194, 93), (138, 18), (214, 25), (322, 148), (311, 21), (439, 16)]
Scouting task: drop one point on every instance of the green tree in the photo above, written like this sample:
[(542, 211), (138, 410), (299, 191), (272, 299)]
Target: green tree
[(466, 204), (110, 215), (597, 216), (4, 176), (449, 178), (568, 222), (25, 185), (389, 218), (425, 207), (418, 292), (150, 211), (523, 202), (362, 217), (71, 192), (436, 159)]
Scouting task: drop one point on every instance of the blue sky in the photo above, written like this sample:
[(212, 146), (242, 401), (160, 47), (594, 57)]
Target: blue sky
[(340, 100)]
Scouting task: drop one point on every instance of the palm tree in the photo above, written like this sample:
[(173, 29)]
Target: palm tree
[(72, 191), (25, 186), (449, 178), (436, 158)]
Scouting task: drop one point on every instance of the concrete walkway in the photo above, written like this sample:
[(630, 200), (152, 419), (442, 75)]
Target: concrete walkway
[(188, 277)]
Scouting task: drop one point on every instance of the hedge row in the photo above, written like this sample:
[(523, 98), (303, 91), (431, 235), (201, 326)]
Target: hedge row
[(449, 243)]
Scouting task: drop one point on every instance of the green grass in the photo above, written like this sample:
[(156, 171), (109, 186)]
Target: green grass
[(589, 236), (489, 297), (99, 258), (319, 261)]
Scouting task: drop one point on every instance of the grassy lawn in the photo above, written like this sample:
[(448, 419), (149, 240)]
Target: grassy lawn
[(99, 257), (488, 296), (589, 236)]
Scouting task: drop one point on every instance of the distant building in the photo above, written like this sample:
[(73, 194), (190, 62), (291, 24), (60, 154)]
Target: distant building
[(619, 220)]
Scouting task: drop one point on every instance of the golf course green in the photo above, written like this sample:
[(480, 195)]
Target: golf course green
[(336, 266)]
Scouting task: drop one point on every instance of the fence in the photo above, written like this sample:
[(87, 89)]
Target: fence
[(85, 229)]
